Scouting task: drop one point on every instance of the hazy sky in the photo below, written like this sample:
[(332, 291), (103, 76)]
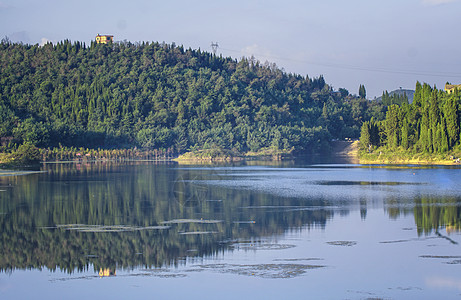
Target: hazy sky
[(383, 44)]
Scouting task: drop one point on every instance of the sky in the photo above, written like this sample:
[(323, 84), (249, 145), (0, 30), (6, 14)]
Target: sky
[(382, 44)]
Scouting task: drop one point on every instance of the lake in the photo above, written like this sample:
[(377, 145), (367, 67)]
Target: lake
[(258, 230)]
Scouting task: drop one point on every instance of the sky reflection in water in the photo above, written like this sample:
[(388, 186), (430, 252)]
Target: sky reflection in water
[(331, 231)]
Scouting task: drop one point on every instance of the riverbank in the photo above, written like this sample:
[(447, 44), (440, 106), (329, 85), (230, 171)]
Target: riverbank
[(400, 156), (223, 155), (27, 155)]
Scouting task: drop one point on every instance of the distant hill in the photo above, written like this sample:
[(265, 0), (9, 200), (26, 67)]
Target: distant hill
[(400, 92)]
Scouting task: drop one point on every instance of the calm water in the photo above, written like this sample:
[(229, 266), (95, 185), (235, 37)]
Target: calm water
[(275, 231)]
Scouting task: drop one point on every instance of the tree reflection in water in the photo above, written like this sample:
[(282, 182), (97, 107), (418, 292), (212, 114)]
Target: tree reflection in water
[(124, 215)]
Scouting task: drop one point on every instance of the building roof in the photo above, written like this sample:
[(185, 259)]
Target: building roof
[(451, 87)]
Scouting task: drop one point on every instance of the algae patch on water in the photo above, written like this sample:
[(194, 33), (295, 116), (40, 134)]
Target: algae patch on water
[(342, 243), (105, 228), (259, 246), (363, 183), (275, 271), (182, 221)]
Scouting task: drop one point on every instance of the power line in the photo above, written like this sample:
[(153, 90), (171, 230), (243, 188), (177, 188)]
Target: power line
[(360, 68)]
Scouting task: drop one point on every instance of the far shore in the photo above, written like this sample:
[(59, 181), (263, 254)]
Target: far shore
[(344, 148)]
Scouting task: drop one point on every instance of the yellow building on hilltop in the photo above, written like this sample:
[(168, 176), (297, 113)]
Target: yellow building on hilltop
[(450, 88), (104, 39)]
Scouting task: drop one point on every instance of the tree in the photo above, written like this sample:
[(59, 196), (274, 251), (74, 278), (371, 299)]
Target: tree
[(392, 126), (362, 92), (344, 93), (365, 136), (404, 134), (451, 115), (417, 95), (26, 154)]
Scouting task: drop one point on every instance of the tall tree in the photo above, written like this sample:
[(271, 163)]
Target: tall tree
[(365, 135), (451, 115), (392, 126), (362, 92)]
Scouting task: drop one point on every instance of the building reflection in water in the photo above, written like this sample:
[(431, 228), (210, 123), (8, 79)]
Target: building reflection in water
[(106, 272)]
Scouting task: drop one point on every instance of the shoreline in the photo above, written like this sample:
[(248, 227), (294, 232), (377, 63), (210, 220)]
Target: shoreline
[(407, 162), (222, 155), (395, 158), (349, 149)]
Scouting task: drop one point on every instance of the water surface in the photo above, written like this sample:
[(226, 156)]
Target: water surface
[(138, 229)]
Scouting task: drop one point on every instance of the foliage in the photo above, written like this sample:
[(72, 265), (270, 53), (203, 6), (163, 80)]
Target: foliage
[(362, 91), (431, 124), (369, 134), (159, 96), (25, 154)]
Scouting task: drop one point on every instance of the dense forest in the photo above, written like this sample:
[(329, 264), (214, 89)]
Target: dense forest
[(430, 124), (160, 96)]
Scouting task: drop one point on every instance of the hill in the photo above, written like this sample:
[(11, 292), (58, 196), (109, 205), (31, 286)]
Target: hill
[(160, 96), (399, 93)]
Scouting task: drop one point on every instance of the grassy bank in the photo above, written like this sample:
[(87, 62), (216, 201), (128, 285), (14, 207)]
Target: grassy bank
[(219, 154), (384, 155)]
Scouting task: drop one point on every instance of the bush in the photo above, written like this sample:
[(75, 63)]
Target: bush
[(25, 155)]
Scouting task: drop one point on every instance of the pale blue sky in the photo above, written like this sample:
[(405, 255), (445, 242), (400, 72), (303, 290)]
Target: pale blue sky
[(384, 44)]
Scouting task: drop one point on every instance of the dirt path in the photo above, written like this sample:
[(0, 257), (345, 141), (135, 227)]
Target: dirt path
[(345, 148)]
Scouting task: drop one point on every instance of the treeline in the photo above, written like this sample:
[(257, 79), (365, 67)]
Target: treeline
[(431, 124), (85, 154), (159, 96)]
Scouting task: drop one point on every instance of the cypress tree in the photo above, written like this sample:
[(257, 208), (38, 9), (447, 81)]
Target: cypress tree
[(444, 146), (392, 126), (434, 118), (404, 134), (365, 140), (362, 91), (450, 111)]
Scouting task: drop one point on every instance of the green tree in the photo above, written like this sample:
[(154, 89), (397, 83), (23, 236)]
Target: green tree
[(26, 153), (451, 115), (404, 134), (362, 92), (392, 125), (365, 135)]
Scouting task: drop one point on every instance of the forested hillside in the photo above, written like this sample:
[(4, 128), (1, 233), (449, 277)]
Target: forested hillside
[(430, 124), (159, 96)]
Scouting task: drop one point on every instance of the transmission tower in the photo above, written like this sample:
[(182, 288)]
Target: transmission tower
[(214, 47)]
